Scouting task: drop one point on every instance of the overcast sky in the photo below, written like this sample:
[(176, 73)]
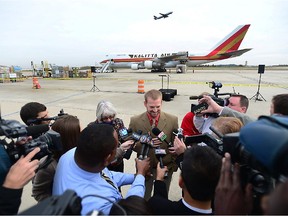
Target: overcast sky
[(82, 32)]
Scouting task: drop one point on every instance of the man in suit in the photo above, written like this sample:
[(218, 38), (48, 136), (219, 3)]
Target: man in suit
[(154, 117), (200, 172)]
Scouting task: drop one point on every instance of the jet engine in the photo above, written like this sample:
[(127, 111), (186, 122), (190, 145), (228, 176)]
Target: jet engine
[(152, 64), (135, 66)]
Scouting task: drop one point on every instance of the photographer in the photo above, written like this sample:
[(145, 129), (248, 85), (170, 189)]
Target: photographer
[(18, 176), (34, 111), (235, 109)]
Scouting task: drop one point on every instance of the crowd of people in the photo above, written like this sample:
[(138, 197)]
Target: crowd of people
[(91, 161)]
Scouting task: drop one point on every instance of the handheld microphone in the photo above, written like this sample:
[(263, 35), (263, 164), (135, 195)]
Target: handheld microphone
[(145, 140), (160, 135), (160, 153), (128, 153), (179, 133)]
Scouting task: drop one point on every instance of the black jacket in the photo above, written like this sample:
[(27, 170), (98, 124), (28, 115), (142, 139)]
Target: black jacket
[(161, 205), (10, 200)]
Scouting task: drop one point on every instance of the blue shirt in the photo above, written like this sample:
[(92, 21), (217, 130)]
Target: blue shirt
[(70, 176)]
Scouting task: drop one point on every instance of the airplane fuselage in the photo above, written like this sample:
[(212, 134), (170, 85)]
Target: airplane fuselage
[(227, 48)]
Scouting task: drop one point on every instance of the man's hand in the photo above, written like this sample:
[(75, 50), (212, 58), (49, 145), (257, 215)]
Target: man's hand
[(143, 166), (22, 171), (161, 172), (230, 198), (126, 145), (213, 107), (179, 146)]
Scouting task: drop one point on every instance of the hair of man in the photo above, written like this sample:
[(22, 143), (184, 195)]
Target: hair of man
[(133, 205), (68, 127), (154, 94), (31, 110), (105, 109), (201, 171), (280, 104), (95, 143)]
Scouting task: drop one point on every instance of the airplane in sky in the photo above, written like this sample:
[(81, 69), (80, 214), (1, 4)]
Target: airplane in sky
[(162, 15), (225, 49)]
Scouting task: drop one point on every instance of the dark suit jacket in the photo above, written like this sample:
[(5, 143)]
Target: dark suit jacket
[(167, 123), (162, 206)]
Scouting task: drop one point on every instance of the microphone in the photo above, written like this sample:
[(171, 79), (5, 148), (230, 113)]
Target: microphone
[(195, 97), (145, 140), (160, 135), (128, 153), (160, 153)]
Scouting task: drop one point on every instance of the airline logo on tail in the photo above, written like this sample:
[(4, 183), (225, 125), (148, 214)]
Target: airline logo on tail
[(226, 48)]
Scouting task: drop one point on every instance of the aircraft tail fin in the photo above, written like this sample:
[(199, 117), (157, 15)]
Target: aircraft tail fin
[(155, 17), (230, 44)]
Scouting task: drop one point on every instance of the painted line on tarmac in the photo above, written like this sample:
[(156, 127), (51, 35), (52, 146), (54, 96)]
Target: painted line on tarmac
[(263, 84)]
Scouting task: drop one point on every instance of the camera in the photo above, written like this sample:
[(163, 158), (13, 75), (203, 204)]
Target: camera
[(215, 85), (251, 171), (47, 142), (203, 106)]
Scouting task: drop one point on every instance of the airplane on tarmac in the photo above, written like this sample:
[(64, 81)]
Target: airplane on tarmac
[(227, 48), (162, 15)]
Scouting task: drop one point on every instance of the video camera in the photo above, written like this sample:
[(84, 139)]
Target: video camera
[(260, 148), (47, 142), (220, 101)]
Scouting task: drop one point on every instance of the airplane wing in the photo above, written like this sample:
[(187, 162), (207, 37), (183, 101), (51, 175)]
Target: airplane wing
[(171, 57), (235, 53)]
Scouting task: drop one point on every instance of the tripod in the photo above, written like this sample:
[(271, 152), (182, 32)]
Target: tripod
[(94, 87), (256, 96)]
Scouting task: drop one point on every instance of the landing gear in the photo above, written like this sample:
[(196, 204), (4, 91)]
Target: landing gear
[(159, 70)]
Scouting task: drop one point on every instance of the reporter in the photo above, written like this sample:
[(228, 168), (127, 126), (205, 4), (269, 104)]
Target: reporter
[(18, 176), (106, 114), (200, 173), (69, 128)]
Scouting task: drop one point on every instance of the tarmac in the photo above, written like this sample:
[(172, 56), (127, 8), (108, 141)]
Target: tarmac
[(76, 96)]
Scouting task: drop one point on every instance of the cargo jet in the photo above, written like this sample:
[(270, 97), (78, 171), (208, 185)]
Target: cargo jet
[(227, 48), (162, 15)]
